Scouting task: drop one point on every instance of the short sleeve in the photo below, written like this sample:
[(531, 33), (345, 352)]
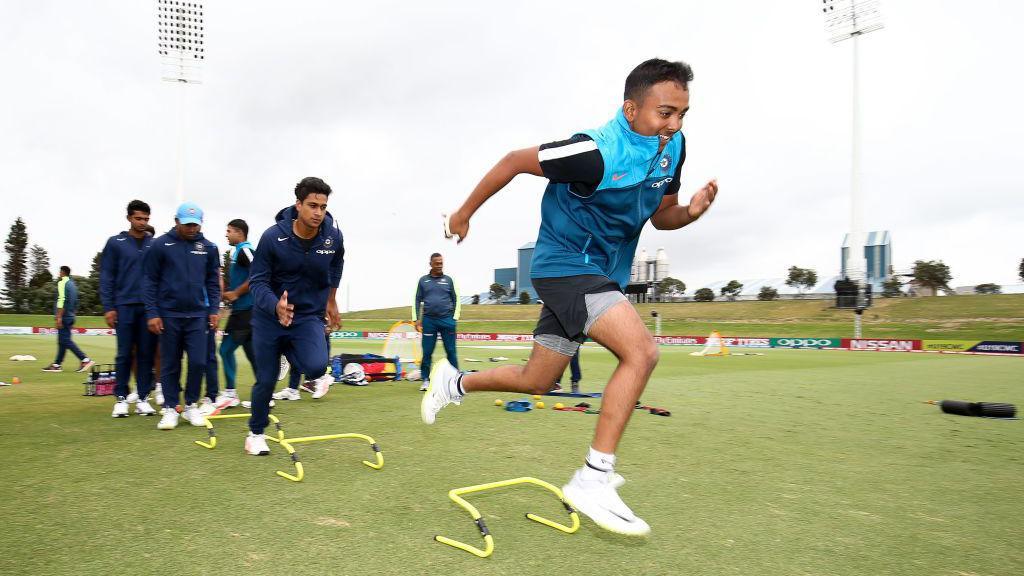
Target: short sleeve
[(573, 161)]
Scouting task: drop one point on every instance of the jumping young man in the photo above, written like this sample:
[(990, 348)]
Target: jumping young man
[(181, 289), (239, 327), (604, 185), (294, 281), (124, 310), (436, 309), (64, 310)]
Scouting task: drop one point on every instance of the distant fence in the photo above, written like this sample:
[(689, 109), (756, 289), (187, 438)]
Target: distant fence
[(998, 347)]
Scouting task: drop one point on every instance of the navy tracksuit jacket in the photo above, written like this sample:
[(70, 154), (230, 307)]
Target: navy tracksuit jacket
[(308, 270), (121, 291), (181, 285)]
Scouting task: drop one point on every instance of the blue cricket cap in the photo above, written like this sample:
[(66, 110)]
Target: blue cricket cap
[(189, 213)]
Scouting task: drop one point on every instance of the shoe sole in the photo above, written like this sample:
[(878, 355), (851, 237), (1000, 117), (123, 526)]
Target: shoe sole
[(119, 415), (145, 413), (566, 491)]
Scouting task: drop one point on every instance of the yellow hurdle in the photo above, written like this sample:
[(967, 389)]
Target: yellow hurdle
[(213, 435), (300, 473), (455, 495)]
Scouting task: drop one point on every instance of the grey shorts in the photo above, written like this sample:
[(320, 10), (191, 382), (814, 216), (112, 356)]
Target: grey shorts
[(571, 306)]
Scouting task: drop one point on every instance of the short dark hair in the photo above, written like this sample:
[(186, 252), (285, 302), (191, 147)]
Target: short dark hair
[(241, 225), (655, 71), (311, 185), (137, 206), (66, 270), (435, 255)]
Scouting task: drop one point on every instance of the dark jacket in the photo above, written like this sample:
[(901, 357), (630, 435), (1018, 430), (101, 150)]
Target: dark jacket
[(181, 279), (121, 270), (307, 272)]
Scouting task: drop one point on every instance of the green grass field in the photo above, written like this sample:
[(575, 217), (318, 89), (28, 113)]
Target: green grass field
[(791, 463), (997, 317)]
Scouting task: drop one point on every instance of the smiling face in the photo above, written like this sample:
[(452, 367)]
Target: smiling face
[(660, 111)]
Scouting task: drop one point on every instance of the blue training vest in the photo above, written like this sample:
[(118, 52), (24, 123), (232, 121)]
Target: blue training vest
[(598, 234)]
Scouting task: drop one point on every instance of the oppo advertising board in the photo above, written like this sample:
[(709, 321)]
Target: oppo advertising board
[(806, 342)]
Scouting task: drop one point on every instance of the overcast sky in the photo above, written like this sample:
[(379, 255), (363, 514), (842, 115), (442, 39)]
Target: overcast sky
[(401, 107)]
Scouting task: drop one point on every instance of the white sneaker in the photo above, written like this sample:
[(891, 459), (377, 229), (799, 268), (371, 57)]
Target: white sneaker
[(283, 370), (168, 419), (120, 408), (256, 445), (601, 503), (194, 416), (142, 408), (132, 398), (438, 393), (287, 394), (425, 385), (159, 394), (207, 407), (322, 385), (227, 399)]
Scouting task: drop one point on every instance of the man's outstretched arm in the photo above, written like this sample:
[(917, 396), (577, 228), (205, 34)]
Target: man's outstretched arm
[(517, 162)]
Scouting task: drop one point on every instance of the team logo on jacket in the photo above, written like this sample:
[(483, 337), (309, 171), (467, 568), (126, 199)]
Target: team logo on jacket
[(665, 162), (328, 242), (199, 246)]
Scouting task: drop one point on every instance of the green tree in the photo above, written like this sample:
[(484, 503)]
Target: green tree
[(768, 293), (988, 288), (498, 291), (933, 274), (94, 270), (704, 295), (801, 278), (524, 297), (16, 267), (732, 289), (891, 288), (88, 295), (672, 286), (39, 270)]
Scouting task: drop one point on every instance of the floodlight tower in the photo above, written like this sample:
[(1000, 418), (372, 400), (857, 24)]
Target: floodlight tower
[(182, 48), (849, 20)]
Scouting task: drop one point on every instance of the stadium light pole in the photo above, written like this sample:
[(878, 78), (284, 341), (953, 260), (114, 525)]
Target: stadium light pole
[(182, 47), (849, 20)]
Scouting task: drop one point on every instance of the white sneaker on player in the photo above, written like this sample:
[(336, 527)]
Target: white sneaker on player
[(424, 385), (439, 391), (159, 392), (227, 399), (283, 370), (207, 407), (120, 408), (287, 394), (168, 419), (132, 398), (601, 503), (194, 416), (256, 445), (322, 385), (142, 408)]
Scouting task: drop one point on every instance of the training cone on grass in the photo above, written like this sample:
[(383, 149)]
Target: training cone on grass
[(982, 409)]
